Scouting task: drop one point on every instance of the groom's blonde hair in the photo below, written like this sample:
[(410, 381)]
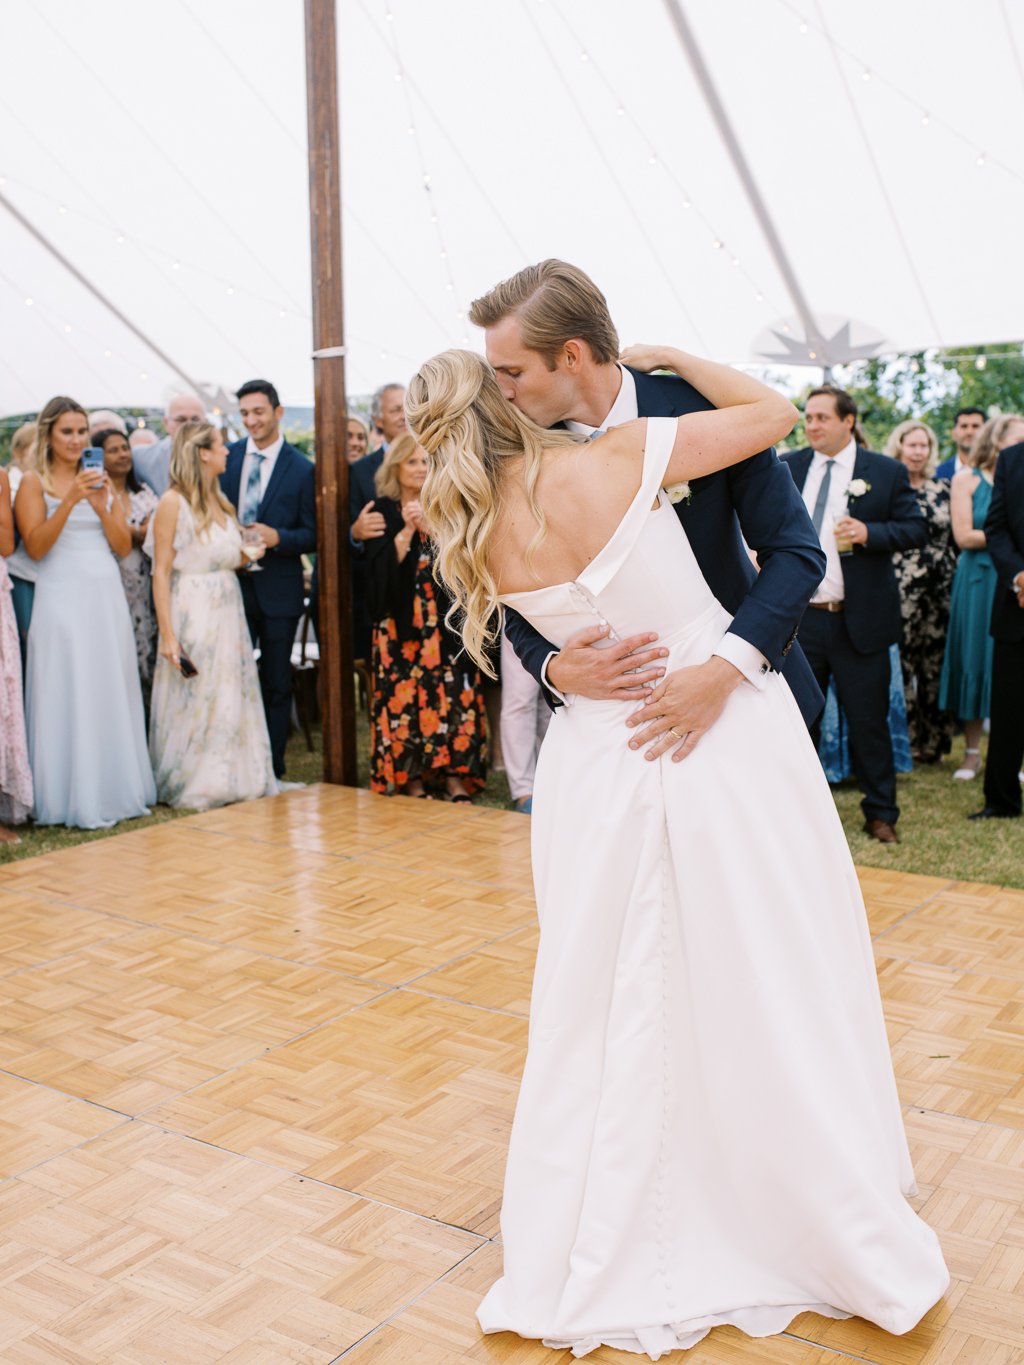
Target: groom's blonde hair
[(555, 302)]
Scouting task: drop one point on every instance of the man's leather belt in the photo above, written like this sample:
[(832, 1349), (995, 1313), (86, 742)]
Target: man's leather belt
[(826, 606)]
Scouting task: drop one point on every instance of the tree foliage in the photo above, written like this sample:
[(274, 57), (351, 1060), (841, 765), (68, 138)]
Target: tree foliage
[(929, 385)]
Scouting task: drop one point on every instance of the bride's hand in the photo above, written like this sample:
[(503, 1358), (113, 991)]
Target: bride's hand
[(647, 358)]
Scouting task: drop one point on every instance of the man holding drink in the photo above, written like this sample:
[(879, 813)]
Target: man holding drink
[(864, 510)]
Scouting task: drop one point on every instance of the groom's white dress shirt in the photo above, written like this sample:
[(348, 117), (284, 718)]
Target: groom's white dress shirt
[(733, 648), (832, 587)]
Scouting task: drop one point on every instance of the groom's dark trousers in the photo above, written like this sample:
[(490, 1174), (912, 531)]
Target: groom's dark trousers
[(852, 645), (1004, 539), (754, 501)]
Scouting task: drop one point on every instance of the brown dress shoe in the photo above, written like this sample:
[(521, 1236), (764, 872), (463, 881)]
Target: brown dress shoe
[(882, 831)]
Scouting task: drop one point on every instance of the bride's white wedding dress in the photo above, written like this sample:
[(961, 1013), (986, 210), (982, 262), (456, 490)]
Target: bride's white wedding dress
[(708, 1129)]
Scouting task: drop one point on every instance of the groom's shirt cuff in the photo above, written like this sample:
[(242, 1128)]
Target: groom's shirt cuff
[(566, 698), (746, 657)]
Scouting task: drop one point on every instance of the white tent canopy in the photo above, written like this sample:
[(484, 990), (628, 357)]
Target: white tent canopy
[(162, 151)]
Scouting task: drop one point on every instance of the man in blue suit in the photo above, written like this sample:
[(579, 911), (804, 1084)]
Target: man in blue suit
[(272, 485), (554, 349), (966, 425), (863, 510)]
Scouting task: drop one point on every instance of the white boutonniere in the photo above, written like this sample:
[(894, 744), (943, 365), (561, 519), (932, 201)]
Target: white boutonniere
[(857, 488), (679, 492)]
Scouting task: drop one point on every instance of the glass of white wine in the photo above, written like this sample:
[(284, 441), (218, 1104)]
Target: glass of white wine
[(252, 548)]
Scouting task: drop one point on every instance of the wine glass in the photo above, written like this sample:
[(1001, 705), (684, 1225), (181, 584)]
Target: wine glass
[(252, 545)]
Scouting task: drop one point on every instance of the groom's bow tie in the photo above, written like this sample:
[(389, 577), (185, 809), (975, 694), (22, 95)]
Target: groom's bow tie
[(598, 431)]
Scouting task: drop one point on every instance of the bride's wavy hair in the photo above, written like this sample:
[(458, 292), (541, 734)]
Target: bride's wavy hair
[(458, 414), (185, 473)]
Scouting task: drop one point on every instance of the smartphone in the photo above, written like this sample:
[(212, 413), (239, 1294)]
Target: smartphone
[(185, 664), (92, 458)]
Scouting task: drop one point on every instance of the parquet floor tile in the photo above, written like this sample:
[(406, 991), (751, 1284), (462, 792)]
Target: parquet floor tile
[(370, 922), (957, 1038), (968, 928), (145, 1247), (342, 822), (133, 1020), (408, 1100), (37, 1123), (33, 930), (314, 1006), (497, 977)]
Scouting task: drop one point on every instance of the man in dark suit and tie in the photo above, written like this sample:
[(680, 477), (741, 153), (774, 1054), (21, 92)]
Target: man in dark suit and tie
[(554, 349), (1004, 540), (966, 425), (272, 485), (863, 510)]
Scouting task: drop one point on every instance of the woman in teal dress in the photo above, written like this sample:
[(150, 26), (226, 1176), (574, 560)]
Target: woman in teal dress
[(966, 680)]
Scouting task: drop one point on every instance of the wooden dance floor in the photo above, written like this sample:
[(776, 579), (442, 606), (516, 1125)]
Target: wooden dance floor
[(257, 1070)]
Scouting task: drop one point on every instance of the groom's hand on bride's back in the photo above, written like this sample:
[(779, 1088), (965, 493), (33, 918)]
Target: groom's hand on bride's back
[(587, 666)]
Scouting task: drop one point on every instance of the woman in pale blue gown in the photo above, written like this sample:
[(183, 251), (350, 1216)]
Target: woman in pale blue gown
[(207, 729), (86, 729)]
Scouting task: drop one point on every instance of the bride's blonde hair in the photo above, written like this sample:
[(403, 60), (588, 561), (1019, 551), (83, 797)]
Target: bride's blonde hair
[(470, 432)]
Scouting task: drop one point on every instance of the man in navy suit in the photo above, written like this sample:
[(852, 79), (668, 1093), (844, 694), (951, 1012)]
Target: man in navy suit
[(863, 509), (554, 349), (966, 425), (272, 485), (1004, 540)]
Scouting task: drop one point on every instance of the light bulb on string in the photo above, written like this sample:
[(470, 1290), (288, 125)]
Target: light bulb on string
[(980, 363), (925, 120), (981, 159), (865, 75)]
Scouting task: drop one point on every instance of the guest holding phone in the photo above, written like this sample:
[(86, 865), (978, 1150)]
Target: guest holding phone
[(85, 722), (208, 734)]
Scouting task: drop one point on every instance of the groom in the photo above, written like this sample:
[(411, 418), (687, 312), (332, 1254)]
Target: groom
[(551, 341)]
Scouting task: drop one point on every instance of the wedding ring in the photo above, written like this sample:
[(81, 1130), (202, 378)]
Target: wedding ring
[(681, 738)]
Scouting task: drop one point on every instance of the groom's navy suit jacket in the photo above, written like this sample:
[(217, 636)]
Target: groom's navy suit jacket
[(755, 501), (894, 520), (289, 506)]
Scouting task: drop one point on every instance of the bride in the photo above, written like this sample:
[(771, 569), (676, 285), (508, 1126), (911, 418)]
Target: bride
[(708, 1130)]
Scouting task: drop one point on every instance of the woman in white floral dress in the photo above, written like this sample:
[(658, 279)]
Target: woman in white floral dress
[(208, 736)]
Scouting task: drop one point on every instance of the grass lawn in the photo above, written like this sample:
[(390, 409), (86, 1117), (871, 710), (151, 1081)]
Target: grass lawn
[(938, 839)]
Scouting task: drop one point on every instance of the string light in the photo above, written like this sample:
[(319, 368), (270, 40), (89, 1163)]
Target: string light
[(867, 74), (413, 130), (654, 156)]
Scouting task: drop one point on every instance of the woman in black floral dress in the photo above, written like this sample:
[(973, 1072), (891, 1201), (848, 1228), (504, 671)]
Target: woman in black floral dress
[(428, 725), (926, 579)]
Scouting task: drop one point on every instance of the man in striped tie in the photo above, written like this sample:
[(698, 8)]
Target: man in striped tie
[(271, 483), (863, 509)]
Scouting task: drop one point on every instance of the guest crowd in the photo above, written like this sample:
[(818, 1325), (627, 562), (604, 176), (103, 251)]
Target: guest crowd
[(151, 591)]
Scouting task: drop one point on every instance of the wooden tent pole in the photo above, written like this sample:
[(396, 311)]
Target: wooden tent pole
[(338, 690)]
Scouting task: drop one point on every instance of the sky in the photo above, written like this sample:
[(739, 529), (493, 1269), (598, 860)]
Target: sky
[(161, 148)]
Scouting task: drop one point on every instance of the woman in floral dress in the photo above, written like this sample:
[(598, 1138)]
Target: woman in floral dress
[(428, 726), (139, 503), (926, 578)]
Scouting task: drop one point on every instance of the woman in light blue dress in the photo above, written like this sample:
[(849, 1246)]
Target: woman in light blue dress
[(86, 729)]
